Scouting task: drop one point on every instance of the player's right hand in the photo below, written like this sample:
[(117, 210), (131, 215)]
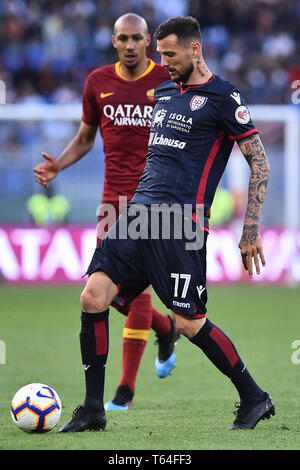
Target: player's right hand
[(46, 171)]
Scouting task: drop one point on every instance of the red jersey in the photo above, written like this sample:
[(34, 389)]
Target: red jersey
[(123, 111)]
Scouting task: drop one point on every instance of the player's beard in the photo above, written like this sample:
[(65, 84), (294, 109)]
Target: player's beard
[(131, 66), (185, 75)]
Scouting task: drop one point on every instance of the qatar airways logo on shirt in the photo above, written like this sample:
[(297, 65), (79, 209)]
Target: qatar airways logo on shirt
[(129, 114), (156, 139)]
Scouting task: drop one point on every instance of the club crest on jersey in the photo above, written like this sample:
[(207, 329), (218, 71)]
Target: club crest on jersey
[(242, 115), (197, 102), (159, 117), (150, 94)]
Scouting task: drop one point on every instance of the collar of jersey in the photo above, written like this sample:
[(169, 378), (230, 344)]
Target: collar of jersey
[(194, 86), (148, 70)]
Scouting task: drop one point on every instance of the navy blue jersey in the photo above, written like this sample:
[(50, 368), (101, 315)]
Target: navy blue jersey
[(193, 130)]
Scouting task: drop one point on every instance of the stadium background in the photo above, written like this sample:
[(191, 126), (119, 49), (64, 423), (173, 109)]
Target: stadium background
[(47, 49)]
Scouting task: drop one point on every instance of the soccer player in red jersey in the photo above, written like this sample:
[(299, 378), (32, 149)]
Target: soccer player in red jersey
[(197, 117), (118, 99)]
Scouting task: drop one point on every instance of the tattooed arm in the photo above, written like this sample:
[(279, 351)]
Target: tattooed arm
[(250, 243)]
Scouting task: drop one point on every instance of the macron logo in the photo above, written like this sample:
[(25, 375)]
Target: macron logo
[(181, 304), (237, 97), (200, 290)]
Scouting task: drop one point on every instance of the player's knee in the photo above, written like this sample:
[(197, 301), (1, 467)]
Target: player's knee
[(187, 326), (93, 303), (98, 293)]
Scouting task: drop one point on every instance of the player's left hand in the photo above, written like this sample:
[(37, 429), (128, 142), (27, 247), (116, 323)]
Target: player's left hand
[(46, 171), (252, 251)]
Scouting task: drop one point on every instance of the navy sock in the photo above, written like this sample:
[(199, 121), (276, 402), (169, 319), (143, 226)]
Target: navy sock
[(222, 353), (94, 350)]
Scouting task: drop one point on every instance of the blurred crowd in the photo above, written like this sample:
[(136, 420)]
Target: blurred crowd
[(48, 47)]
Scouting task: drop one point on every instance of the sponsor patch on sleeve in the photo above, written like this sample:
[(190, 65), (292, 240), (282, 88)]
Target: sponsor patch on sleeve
[(242, 115)]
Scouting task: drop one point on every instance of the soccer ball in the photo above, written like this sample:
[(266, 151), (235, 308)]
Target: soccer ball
[(36, 408)]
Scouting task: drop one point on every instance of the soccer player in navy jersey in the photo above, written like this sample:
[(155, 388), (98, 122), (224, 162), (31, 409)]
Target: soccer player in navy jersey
[(118, 100), (197, 118)]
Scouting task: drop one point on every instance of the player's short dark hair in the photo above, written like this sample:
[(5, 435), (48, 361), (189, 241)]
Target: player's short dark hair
[(186, 29)]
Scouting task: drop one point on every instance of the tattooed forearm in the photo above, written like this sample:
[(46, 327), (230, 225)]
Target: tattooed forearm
[(255, 155)]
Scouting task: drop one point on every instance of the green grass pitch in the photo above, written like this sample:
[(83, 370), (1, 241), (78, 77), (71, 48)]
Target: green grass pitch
[(189, 410)]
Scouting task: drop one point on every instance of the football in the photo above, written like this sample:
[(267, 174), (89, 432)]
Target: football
[(36, 408)]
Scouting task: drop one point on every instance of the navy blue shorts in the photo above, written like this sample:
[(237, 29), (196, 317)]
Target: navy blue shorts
[(178, 275)]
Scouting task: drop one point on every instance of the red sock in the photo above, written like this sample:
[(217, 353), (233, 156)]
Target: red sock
[(160, 323), (135, 337)]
